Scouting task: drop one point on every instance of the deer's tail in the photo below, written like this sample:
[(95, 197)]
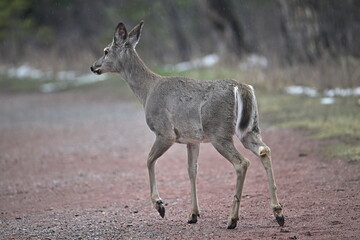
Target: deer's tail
[(246, 110)]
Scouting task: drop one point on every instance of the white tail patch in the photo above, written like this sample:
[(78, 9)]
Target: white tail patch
[(240, 133), (253, 110), (239, 106)]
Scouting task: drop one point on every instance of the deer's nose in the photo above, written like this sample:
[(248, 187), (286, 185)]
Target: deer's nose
[(91, 68)]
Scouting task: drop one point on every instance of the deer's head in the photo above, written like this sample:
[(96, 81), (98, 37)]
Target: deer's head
[(119, 50)]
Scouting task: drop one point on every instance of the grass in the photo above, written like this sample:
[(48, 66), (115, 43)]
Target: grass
[(14, 85), (339, 121)]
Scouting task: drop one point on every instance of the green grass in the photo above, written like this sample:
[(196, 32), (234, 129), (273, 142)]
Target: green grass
[(14, 85), (339, 121)]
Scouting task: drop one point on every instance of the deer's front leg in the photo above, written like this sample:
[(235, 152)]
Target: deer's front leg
[(159, 148), (193, 153)]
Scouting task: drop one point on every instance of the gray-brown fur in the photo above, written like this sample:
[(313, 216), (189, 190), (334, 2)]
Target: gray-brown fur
[(189, 111), (188, 107)]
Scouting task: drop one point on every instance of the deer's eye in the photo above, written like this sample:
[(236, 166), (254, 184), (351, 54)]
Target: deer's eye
[(106, 51)]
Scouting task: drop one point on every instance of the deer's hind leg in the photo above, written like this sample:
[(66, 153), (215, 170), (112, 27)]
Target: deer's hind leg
[(227, 149), (193, 153), (160, 146), (253, 142)]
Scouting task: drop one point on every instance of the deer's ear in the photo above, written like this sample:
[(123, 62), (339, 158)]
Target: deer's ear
[(134, 34), (120, 33)]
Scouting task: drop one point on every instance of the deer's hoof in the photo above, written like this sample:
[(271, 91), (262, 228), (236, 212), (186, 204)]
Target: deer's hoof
[(193, 218), (232, 223), (160, 208), (280, 219)]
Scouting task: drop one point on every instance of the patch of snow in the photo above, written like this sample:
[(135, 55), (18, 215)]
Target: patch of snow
[(53, 87), (342, 92), (356, 91), (206, 61), (69, 79), (25, 71), (89, 78), (66, 75), (210, 60), (327, 100), (253, 61), (328, 95), (301, 90), (64, 79)]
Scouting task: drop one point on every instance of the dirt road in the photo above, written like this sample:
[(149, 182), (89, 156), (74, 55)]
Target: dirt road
[(73, 166)]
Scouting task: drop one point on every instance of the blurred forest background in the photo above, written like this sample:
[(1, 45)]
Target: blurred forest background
[(307, 48), (323, 35)]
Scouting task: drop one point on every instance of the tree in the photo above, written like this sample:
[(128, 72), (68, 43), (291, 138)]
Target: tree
[(314, 28), (176, 26), (228, 27)]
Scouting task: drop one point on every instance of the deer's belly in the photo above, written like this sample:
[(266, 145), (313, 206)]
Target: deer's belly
[(192, 133), (185, 140)]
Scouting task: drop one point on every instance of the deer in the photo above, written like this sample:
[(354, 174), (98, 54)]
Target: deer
[(188, 111)]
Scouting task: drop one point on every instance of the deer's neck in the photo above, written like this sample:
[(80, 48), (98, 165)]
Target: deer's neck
[(139, 77)]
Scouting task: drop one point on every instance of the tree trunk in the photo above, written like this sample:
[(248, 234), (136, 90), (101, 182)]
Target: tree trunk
[(229, 29), (301, 31), (182, 42), (313, 28)]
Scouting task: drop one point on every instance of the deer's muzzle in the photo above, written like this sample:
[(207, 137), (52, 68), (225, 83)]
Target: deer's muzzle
[(97, 70)]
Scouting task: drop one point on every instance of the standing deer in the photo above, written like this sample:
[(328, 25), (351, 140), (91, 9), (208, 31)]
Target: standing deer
[(191, 112)]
